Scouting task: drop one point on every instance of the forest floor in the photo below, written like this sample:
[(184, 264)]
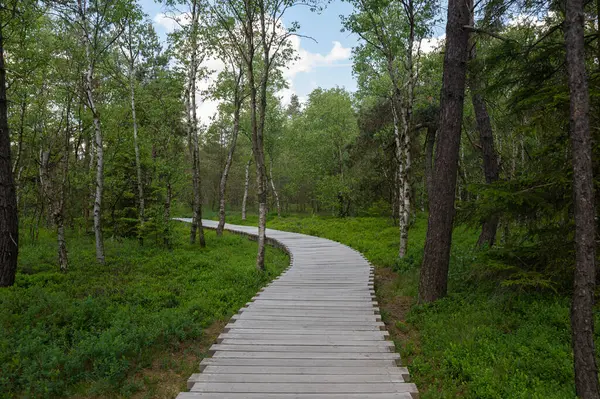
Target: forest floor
[(485, 340), (135, 327)]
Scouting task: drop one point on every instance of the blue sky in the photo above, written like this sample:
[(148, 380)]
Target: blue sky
[(323, 63)]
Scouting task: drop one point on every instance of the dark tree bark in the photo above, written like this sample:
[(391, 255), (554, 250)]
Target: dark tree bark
[(434, 271), (429, 149), (488, 152), (582, 315), (9, 225)]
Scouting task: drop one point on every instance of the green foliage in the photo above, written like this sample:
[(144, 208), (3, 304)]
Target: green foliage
[(89, 329)]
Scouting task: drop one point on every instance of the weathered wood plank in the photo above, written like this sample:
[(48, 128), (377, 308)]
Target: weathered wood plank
[(313, 333), (228, 395), (388, 387)]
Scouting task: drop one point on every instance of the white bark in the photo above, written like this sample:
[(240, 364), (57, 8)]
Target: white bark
[(98, 144), (136, 146), (274, 189), (246, 186), (193, 133)]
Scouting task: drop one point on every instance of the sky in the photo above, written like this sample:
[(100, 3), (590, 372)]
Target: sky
[(324, 61)]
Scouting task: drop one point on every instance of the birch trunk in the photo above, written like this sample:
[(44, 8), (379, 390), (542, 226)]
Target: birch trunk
[(246, 186), (236, 128), (225, 174), (167, 215), (17, 161), (136, 147), (196, 228), (400, 176), (98, 145), (274, 189), (407, 109), (59, 212), (582, 305)]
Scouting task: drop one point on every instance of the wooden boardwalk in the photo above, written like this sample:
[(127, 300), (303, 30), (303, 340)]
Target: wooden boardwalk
[(314, 332)]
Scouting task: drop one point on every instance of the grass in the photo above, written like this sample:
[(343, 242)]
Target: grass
[(127, 328), (483, 341)]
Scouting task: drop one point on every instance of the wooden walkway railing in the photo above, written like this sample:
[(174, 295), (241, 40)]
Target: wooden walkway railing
[(314, 332)]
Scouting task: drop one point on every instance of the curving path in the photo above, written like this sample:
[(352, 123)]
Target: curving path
[(314, 332)]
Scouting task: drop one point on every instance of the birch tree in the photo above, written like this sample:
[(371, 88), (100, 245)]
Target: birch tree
[(265, 47), (131, 47), (95, 22), (391, 33), (230, 87)]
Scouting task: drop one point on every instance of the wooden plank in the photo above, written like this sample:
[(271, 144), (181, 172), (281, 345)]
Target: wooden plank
[(386, 387), (298, 378), (341, 333), (302, 317), (294, 349), (294, 362), (313, 333), (216, 395), (274, 337), (305, 370), (318, 340), (230, 395), (307, 355)]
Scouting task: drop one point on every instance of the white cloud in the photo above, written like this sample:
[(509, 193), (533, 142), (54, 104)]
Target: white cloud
[(432, 44), (171, 22), (308, 61)]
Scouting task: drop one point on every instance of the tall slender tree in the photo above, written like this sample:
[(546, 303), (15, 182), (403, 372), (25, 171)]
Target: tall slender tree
[(433, 282), (9, 225), (582, 306)]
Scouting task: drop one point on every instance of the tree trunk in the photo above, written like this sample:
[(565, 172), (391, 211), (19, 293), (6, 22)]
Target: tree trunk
[(99, 169), (17, 161), (9, 226), (488, 152), (400, 176), (167, 214), (136, 147), (59, 211), (238, 101), (429, 149), (228, 162), (196, 227), (246, 185), (274, 189), (582, 312), (434, 271), (406, 114)]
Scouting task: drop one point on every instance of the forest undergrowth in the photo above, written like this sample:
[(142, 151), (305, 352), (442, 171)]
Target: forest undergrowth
[(128, 328)]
